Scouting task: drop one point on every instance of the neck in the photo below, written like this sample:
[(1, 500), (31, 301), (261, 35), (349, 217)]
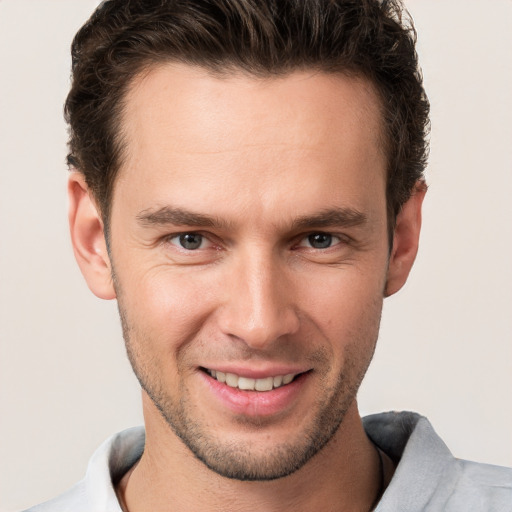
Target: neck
[(344, 475)]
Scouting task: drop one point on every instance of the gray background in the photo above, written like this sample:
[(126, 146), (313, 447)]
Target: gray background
[(446, 341)]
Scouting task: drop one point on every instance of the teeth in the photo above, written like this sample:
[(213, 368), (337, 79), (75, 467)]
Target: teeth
[(287, 378), (264, 384), (247, 384), (244, 383), (231, 380)]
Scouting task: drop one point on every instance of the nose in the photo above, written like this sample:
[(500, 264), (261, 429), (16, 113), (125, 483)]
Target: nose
[(259, 306)]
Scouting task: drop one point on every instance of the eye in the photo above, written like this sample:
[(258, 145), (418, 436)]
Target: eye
[(189, 241), (319, 241)]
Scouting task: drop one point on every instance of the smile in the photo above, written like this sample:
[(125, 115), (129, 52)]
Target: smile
[(247, 384)]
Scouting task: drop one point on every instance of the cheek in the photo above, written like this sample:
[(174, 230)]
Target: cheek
[(346, 306), (166, 308)]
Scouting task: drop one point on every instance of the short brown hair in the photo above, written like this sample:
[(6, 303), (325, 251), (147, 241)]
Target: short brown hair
[(369, 38)]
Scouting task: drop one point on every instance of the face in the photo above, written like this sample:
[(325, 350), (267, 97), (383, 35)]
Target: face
[(250, 253)]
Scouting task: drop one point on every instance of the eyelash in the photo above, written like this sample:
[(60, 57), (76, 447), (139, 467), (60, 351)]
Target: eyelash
[(173, 236), (330, 236), (334, 239)]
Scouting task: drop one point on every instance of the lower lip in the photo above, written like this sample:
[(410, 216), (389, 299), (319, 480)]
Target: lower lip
[(256, 403)]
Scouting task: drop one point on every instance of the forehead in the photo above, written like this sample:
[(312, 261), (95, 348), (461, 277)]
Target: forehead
[(223, 108), (249, 138)]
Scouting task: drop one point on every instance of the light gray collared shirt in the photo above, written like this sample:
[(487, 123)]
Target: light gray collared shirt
[(427, 477)]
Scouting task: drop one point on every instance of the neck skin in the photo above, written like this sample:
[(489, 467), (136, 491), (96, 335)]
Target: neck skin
[(344, 475)]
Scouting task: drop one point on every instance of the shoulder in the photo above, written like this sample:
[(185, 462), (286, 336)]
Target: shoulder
[(428, 477), (75, 498), (106, 467), (480, 487)]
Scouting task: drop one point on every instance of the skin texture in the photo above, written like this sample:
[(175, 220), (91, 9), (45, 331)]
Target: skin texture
[(253, 169)]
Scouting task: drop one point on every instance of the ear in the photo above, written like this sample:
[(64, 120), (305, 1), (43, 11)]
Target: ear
[(88, 238), (405, 240)]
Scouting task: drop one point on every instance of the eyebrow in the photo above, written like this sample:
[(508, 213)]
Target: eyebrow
[(341, 217), (178, 217)]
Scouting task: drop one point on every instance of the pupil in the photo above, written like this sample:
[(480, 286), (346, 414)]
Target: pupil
[(190, 241), (320, 240)]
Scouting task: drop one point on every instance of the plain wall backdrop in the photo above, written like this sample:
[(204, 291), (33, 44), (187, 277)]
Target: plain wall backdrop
[(445, 348)]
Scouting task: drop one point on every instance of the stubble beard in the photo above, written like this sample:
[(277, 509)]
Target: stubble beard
[(236, 460)]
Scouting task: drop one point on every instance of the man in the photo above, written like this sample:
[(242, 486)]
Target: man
[(247, 183)]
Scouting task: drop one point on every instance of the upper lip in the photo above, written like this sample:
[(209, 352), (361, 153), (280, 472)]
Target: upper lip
[(257, 373)]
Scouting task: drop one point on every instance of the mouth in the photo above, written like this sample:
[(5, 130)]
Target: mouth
[(248, 384), (255, 393)]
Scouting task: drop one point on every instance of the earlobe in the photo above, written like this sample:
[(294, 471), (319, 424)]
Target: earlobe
[(88, 238), (405, 240)]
